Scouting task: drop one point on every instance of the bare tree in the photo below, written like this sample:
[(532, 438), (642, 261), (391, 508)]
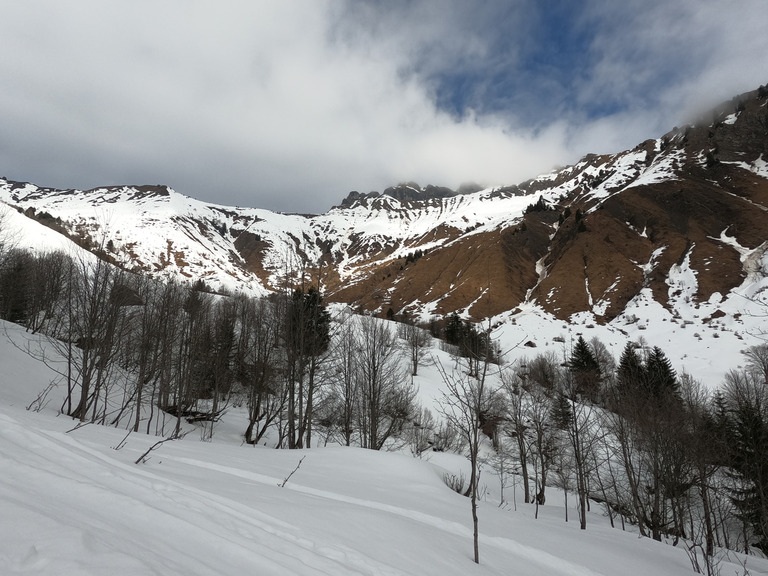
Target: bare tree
[(543, 439), (706, 450), (257, 353), (46, 288), (339, 408), (417, 340), (517, 421), (167, 341), (386, 395), (95, 328), (222, 355), (578, 422), (467, 401), (191, 366)]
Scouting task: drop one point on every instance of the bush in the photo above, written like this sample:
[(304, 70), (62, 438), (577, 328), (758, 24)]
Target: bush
[(456, 483)]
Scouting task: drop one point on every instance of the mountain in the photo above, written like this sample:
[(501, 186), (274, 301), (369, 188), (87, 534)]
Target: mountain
[(591, 237)]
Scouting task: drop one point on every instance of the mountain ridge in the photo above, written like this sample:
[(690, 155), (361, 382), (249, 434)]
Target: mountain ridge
[(584, 238)]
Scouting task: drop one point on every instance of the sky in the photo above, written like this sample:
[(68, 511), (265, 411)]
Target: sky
[(290, 105)]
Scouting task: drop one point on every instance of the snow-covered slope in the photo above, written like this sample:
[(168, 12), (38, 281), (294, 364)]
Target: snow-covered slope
[(157, 230), (74, 502)]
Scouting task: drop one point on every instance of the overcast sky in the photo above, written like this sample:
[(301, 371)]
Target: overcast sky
[(289, 105)]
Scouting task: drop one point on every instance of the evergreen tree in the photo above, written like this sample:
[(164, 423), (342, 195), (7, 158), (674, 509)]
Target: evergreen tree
[(750, 460), (661, 379), (307, 338), (561, 412), (310, 322), (454, 330), (585, 370), (721, 421), (631, 371)]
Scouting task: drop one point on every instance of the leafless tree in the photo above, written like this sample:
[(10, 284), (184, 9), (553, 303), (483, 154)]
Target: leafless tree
[(257, 353), (47, 281), (191, 367), (386, 393), (95, 325), (222, 355), (579, 425), (466, 402), (417, 340), (339, 407), (516, 387)]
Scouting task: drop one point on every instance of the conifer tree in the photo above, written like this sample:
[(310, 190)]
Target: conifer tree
[(585, 370), (631, 371), (661, 379)]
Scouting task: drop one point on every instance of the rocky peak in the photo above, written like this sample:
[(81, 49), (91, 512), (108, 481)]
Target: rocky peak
[(412, 192)]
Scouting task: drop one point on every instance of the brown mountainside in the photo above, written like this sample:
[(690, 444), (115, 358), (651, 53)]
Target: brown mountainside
[(616, 235)]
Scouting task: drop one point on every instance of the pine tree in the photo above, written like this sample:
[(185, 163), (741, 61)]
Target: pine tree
[(585, 370), (561, 412), (661, 379), (631, 371), (750, 460), (454, 329)]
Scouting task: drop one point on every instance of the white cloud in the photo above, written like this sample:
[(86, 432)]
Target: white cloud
[(290, 105), (665, 63)]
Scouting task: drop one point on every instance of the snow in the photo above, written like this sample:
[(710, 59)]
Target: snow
[(74, 502), (171, 235), (661, 170), (19, 231), (695, 343), (186, 238), (758, 167)]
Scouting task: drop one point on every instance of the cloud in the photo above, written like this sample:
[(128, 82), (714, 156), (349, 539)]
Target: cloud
[(658, 64), (289, 106)]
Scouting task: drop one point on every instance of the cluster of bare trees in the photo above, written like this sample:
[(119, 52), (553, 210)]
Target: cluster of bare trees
[(371, 397), (653, 448), (153, 355), (135, 350)]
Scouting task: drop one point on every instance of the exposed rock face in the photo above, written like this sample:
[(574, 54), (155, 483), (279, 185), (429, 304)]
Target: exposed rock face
[(717, 186), (410, 192), (588, 237)]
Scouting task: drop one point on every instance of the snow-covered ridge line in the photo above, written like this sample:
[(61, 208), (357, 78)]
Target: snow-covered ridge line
[(159, 231)]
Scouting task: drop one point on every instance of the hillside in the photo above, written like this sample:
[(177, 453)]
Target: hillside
[(74, 501)]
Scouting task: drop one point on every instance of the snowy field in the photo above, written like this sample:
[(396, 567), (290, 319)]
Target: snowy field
[(74, 502)]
